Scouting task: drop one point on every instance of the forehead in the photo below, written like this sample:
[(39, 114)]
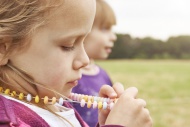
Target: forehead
[(73, 16)]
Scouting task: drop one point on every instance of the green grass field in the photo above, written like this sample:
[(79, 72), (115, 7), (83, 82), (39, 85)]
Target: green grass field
[(164, 84)]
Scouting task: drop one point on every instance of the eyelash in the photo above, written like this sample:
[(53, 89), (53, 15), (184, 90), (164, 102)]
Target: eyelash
[(68, 48)]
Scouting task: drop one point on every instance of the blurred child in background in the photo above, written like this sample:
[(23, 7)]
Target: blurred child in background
[(98, 45)]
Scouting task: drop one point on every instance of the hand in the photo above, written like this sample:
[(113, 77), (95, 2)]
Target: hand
[(128, 111), (112, 93)]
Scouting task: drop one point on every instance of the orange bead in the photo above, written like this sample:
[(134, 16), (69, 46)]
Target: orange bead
[(53, 100), (100, 105), (13, 93), (92, 99), (85, 98), (37, 99), (89, 104), (45, 99), (7, 91), (21, 96), (1, 89)]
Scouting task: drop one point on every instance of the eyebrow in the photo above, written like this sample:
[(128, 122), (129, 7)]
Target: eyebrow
[(70, 36), (64, 40)]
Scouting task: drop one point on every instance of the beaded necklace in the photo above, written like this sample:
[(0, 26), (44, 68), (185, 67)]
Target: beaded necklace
[(89, 101)]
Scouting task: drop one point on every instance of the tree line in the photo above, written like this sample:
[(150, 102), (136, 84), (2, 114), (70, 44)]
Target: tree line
[(149, 48)]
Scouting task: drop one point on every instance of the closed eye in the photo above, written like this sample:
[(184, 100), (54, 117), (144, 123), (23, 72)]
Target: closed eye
[(65, 48)]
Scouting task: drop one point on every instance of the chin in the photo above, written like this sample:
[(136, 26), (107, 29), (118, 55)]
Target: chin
[(104, 57), (66, 93), (101, 58)]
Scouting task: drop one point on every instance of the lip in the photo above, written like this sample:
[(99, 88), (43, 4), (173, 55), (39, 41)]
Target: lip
[(108, 49), (73, 82)]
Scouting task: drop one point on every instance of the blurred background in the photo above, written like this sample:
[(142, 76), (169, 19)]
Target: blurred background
[(159, 19), (152, 28), (152, 52)]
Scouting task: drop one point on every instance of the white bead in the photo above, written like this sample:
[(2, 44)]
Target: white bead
[(105, 105), (95, 104), (29, 97), (82, 103), (61, 101), (71, 95), (105, 100), (78, 97), (95, 98)]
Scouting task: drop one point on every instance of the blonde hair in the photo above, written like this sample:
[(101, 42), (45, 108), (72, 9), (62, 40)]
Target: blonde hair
[(18, 21), (19, 18), (105, 17)]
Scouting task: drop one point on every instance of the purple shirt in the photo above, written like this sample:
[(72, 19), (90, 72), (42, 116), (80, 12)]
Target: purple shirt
[(90, 85)]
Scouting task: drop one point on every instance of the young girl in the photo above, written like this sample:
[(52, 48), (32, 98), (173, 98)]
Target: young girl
[(41, 54), (98, 45)]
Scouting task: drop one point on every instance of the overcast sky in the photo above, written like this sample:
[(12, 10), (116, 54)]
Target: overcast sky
[(155, 18)]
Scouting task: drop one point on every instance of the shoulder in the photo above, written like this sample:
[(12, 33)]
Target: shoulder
[(105, 75), (6, 111), (18, 114), (101, 70)]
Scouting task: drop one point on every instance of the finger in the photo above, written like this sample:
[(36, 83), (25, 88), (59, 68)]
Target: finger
[(146, 111), (132, 92), (147, 117), (141, 102), (107, 91), (119, 89), (101, 115)]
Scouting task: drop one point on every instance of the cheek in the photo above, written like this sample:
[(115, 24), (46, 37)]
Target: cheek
[(57, 74), (94, 45)]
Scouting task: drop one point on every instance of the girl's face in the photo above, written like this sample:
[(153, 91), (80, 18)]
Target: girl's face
[(99, 43), (56, 53)]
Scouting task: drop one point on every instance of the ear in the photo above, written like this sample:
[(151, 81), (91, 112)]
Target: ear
[(4, 44)]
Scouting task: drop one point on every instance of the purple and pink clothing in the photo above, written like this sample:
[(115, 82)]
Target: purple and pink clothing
[(90, 85), (14, 114)]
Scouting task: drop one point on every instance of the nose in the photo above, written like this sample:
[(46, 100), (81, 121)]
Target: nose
[(113, 36), (81, 59)]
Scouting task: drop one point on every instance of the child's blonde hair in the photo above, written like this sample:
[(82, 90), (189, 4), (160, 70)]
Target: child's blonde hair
[(105, 17), (18, 18), (18, 21)]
